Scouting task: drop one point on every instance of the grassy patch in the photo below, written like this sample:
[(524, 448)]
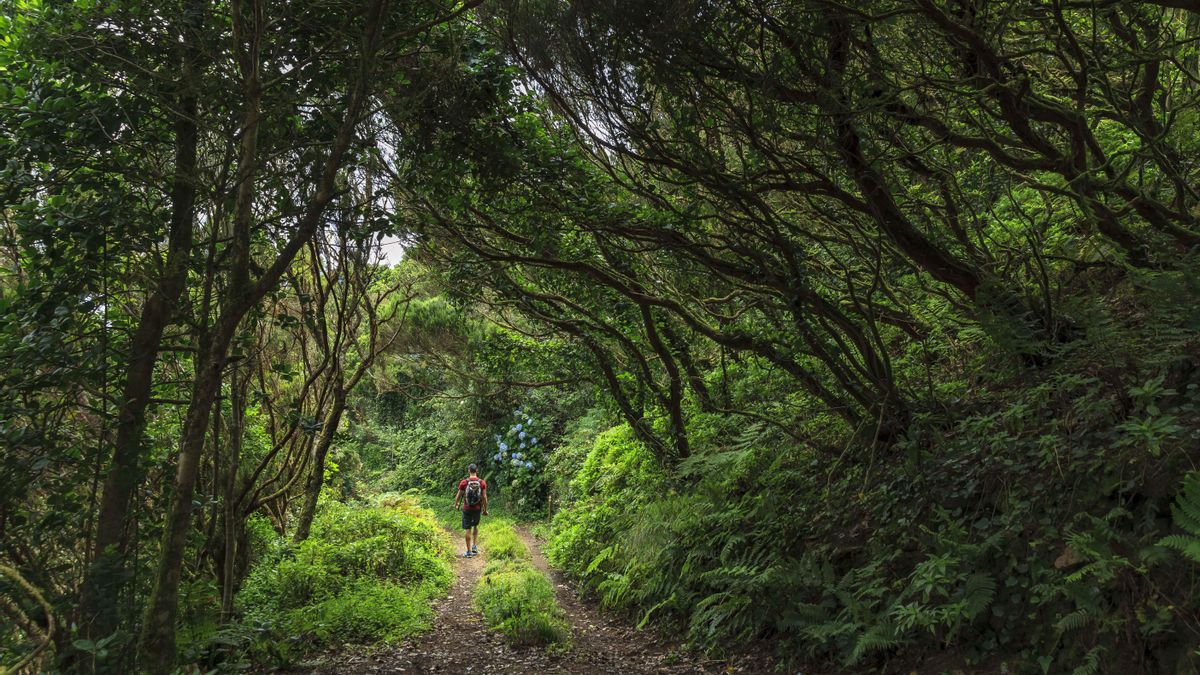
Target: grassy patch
[(514, 597), (366, 576), (501, 542)]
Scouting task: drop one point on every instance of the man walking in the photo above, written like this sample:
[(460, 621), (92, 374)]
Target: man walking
[(472, 492)]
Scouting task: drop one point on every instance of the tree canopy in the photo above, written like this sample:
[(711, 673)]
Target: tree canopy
[(866, 331)]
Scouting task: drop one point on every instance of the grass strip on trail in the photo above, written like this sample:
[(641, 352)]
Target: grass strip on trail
[(514, 597)]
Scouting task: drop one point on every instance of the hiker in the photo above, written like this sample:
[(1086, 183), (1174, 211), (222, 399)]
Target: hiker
[(472, 492)]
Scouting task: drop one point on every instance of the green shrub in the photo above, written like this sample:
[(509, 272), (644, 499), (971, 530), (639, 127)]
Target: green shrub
[(618, 475), (618, 463), (365, 575), (365, 613), (959, 541), (518, 600), (517, 463)]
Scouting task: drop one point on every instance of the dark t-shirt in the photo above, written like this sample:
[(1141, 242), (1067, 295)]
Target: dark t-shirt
[(462, 487)]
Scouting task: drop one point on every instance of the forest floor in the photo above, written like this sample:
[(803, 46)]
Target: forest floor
[(459, 643)]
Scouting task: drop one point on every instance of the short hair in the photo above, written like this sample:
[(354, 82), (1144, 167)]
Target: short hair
[(472, 469)]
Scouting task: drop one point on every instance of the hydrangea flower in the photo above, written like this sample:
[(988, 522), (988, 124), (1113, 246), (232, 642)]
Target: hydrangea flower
[(528, 465), (522, 445), (521, 435), (516, 462), (533, 441), (497, 458), (504, 446), (517, 428), (516, 455)]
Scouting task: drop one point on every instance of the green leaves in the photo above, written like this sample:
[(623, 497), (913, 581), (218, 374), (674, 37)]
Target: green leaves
[(365, 575), (1185, 511)]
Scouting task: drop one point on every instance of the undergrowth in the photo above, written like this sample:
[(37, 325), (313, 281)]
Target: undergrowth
[(1031, 533), (366, 575)]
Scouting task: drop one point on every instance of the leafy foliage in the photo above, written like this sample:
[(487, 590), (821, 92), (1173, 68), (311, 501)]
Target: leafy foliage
[(1186, 512), (366, 575), (865, 333)]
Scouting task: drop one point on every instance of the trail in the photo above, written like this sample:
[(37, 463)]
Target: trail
[(458, 642)]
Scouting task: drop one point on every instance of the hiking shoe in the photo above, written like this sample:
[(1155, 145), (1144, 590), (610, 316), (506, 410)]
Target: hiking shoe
[(474, 549), (468, 554)]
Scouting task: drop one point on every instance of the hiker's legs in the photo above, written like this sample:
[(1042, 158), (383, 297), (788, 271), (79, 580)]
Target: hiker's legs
[(470, 525), (467, 522)]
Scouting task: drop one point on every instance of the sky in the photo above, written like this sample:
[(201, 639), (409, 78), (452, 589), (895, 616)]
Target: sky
[(392, 250)]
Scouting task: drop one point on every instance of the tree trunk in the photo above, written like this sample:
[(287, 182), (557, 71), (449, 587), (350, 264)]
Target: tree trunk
[(157, 642), (156, 647), (232, 518), (105, 575), (316, 479)]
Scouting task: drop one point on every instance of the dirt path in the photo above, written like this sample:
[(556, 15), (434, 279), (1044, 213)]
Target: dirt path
[(459, 642)]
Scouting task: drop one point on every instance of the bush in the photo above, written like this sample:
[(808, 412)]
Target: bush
[(997, 533), (617, 477), (518, 461), (367, 612), (366, 575)]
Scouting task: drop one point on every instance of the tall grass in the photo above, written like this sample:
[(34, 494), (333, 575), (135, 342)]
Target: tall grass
[(366, 575), (514, 597)]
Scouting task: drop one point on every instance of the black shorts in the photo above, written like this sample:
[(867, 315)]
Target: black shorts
[(471, 518)]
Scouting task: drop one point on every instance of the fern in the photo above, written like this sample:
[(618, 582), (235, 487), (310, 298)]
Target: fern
[(1091, 662), (1186, 514), (880, 637), (1075, 620), (977, 594), (659, 605), (803, 614), (603, 555)]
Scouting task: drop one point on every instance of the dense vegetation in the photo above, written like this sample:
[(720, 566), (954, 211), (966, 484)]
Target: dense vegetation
[(367, 574), (865, 333)]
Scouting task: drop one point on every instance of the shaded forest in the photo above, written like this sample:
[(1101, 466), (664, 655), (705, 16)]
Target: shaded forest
[(865, 335)]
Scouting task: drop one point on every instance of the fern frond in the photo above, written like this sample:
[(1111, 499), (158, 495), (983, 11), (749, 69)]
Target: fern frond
[(1074, 621), (978, 592), (603, 555), (1091, 663), (659, 605), (804, 614), (880, 637), (826, 632), (1188, 546), (1185, 511)]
